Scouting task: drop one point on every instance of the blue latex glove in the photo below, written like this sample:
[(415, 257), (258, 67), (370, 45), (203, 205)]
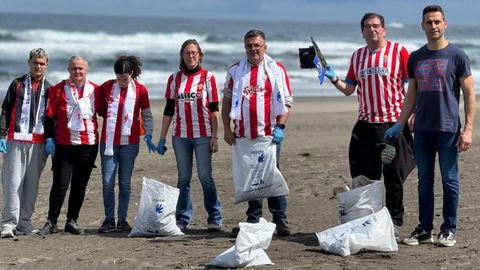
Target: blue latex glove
[(161, 148), (394, 131), (3, 146), (50, 146), (330, 73), (150, 145), (277, 135), (320, 69)]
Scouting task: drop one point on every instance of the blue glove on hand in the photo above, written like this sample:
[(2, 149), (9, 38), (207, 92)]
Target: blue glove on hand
[(150, 145), (277, 135), (330, 73), (50, 146), (3, 146), (161, 148), (394, 131)]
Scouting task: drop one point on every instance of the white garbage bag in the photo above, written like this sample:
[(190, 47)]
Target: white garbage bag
[(360, 201), (249, 250), (156, 212), (373, 232), (255, 172)]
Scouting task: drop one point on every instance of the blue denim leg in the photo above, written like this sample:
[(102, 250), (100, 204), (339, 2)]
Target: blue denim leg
[(424, 151), (448, 159), (183, 149), (123, 159), (203, 157), (109, 170)]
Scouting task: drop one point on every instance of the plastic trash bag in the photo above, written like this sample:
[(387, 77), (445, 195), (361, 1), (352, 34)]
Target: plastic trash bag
[(249, 249), (360, 201), (156, 211), (255, 172), (373, 232)]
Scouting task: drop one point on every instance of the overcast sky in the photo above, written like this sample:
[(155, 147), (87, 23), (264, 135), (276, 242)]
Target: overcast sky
[(458, 12)]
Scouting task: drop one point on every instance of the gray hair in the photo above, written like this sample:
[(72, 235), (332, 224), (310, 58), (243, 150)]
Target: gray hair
[(76, 57), (254, 33), (38, 52)]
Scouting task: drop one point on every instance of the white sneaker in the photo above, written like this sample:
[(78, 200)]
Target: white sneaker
[(7, 233), (18, 232), (446, 239), (419, 236), (388, 153)]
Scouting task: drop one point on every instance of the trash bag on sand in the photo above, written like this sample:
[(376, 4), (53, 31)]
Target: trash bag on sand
[(360, 201), (249, 250), (156, 211), (373, 232)]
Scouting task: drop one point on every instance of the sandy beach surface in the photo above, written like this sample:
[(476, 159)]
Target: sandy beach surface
[(314, 160)]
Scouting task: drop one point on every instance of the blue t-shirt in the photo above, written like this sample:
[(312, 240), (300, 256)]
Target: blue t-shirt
[(437, 75)]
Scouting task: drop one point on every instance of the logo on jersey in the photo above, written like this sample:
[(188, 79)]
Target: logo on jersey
[(189, 97), (251, 90), (381, 71)]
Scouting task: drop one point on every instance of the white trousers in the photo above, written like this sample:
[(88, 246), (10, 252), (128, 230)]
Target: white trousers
[(22, 166)]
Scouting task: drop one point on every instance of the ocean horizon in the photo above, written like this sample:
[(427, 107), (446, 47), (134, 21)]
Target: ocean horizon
[(157, 41)]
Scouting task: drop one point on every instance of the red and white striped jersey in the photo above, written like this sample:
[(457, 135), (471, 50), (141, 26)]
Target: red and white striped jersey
[(258, 114), (59, 106), (380, 79), (142, 101), (192, 93)]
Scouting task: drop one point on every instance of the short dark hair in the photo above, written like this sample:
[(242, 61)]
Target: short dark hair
[(370, 16), (432, 8), (187, 42), (128, 64), (254, 33)]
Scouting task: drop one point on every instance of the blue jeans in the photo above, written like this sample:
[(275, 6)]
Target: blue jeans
[(123, 159), (277, 205), (425, 147), (184, 149)]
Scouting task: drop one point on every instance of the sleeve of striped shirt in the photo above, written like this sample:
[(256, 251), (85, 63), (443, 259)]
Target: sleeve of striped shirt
[(212, 90), (170, 91), (403, 62)]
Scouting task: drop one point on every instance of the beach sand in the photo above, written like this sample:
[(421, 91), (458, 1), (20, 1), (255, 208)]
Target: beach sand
[(314, 160)]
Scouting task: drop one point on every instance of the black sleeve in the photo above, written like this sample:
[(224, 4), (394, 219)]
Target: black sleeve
[(169, 107), (213, 107), (49, 127), (7, 105)]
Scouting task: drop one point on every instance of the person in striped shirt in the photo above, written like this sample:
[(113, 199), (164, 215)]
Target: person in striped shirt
[(378, 73), (72, 141), (257, 114), (192, 105)]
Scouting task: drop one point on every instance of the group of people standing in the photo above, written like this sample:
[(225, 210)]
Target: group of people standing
[(39, 119), (61, 120), (435, 74)]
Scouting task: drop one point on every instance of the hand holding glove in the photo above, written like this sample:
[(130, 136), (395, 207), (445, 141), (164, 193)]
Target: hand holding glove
[(150, 145), (161, 148), (277, 134), (3, 146), (50, 146), (394, 131)]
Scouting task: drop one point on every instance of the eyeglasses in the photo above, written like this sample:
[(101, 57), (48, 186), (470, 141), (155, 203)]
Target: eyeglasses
[(193, 54), (375, 26)]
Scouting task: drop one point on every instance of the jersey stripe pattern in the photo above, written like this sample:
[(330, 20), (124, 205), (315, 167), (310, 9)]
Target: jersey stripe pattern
[(379, 77), (58, 106), (258, 117), (192, 94)]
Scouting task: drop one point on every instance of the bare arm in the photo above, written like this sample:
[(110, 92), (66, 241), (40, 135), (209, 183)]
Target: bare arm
[(465, 138), (228, 135), (214, 140), (409, 102), (167, 120), (344, 87)]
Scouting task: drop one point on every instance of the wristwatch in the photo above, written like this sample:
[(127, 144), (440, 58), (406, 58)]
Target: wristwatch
[(335, 81)]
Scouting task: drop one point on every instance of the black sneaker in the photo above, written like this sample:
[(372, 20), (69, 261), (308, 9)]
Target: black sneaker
[(72, 227), (48, 228), (108, 225), (419, 236), (123, 226), (282, 228)]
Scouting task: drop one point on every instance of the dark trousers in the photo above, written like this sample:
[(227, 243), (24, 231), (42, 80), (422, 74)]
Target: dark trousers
[(366, 146), (71, 164)]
